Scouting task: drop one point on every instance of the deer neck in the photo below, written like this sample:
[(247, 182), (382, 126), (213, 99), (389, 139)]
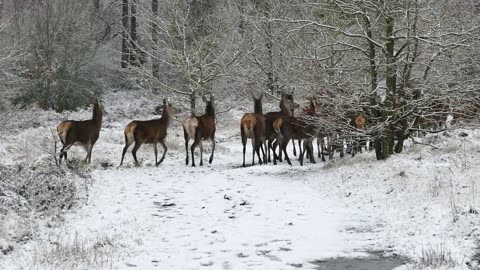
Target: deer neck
[(97, 114), (166, 117), (258, 107), (209, 110), (285, 109)]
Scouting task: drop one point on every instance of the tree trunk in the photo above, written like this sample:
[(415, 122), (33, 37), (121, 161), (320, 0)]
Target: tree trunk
[(269, 46), (155, 66), (375, 113), (401, 137), (192, 103), (241, 24), (124, 62), (96, 5), (133, 34), (1, 8), (391, 84)]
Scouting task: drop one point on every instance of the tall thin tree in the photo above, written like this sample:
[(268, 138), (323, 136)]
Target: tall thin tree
[(125, 58), (155, 66)]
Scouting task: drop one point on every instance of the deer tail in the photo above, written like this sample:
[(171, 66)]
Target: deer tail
[(130, 133), (248, 126), (62, 130), (190, 126)]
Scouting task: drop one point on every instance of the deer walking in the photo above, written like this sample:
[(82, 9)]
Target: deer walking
[(252, 126), (200, 128), (149, 132), (84, 133)]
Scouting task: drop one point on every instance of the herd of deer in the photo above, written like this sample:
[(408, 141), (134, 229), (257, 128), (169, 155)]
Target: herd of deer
[(266, 131)]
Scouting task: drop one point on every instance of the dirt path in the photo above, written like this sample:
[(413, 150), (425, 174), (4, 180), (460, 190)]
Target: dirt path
[(216, 217)]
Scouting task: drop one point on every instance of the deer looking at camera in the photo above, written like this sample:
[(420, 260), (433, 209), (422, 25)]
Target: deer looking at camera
[(252, 126), (149, 132), (286, 108), (200, 128), (84, 133)]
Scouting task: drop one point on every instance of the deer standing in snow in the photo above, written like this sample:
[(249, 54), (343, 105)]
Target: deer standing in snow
[(149, 132), (252, 125), (84, 133), (200, 128)]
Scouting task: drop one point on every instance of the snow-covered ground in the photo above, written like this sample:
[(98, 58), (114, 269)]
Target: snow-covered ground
[(222, 216)]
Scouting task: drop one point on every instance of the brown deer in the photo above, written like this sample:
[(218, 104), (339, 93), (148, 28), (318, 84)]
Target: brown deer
[(252, 126), (200, 128), (84, 133), (149, 132), (288, 127), (357, 121), (286, 106)]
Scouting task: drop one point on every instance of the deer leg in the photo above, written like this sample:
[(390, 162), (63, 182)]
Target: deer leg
[(322, 147), (331, 149), (201, 152), (294, 150), (127, 144), (62, 153), (269, 145), (310, 149), (244, 143), (280, 156), (257, 149), (300, 156), (210, 160), (88, 158), (185, 135), (274, 149), (253, 151), (275, 157), (164, 152), (64, 150), (155, 150), (264, 148), (299, 146), (134, 152), (318, 147), (284, 148), (192, 148)]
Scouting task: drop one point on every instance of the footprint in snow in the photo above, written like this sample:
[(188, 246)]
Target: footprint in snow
[(209, 263), (242, 255)]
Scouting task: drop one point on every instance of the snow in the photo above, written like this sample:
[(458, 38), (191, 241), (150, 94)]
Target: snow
[(223, 216)]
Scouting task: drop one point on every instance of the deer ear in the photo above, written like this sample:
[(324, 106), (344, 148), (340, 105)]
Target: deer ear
[(164, 101)]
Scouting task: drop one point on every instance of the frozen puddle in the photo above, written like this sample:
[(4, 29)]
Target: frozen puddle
[(177, 217), (375, 261)]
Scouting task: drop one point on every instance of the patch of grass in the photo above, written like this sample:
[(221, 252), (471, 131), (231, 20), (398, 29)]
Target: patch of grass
[(474, 262), (436, 257), (76, 253)]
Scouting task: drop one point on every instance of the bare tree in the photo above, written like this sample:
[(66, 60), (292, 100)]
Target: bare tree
[(199, 58), (390, 48)]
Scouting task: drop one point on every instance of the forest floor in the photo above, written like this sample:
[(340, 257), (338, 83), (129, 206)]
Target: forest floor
[(420, 205)]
